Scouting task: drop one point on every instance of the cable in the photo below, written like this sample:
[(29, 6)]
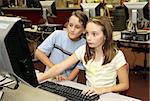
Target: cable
[(13, 88), (3, 79)]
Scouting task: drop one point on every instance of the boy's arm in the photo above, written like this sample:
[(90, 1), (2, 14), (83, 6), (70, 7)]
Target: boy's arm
[(73, 74), (43, 58), (58, 68)]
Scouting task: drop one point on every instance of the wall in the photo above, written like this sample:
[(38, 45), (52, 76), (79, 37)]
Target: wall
[(35, 14)]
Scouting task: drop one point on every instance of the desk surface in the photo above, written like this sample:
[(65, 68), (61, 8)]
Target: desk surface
[(27, 93)]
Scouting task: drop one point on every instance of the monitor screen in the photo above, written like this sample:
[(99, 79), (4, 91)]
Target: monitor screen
[(146, 11), (91, 9), (15, 57)]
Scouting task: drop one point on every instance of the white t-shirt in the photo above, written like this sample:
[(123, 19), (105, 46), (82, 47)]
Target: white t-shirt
[(98, 75)]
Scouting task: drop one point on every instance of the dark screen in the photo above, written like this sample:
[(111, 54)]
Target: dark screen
[(146, 11), (33, 3), (53, 8), (19, 54)]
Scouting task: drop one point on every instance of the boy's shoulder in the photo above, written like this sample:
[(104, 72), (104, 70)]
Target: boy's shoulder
[(59, 33)]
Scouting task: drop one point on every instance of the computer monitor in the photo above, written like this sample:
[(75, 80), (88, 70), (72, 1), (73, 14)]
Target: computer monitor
[(91, 9), (15, 58), (133, 8), (49, 9)]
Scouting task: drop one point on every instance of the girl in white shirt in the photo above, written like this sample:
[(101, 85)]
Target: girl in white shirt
[(102, 60)]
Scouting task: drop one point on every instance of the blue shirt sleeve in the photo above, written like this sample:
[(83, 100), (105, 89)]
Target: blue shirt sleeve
[(48, 44)]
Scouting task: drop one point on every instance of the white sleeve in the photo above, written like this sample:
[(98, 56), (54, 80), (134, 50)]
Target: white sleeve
[(80, 52), (120, 59)]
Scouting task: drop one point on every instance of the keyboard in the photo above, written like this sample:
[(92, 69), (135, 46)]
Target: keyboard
[(72, 94)]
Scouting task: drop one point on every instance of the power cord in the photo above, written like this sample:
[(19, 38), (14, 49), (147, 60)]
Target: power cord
[(13, 88), (3, 79)]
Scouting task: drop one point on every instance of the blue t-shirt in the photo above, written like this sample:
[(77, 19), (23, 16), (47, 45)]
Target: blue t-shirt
[(58, 46)]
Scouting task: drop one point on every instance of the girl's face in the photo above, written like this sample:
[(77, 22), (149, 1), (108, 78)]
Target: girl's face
[(75, 28), (94, 35)]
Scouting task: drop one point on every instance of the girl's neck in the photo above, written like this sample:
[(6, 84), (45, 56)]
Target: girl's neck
[(98, 50), (99, 54)]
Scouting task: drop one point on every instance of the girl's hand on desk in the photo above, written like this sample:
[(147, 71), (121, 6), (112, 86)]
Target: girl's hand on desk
[(92, 90), (40, 77), (39, 74)]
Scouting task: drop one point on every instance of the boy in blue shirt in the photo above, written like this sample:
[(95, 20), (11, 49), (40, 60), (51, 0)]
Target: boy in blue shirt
[(62, 43)]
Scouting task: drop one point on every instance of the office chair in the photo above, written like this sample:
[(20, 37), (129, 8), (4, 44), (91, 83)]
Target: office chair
[(81, 77)]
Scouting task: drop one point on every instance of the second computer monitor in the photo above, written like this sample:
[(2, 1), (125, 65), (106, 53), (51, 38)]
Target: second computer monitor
[(49, 9), (133, 8), (91, 9)]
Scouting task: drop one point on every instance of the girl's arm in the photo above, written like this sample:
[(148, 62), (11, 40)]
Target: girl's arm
[(71, 76), (58, 68), (123, 81)]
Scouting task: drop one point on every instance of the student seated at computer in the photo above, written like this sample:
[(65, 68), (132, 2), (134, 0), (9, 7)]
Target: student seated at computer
[(62, 43), (102, 60)]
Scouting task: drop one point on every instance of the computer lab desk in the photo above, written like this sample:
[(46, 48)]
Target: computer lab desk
[(28, 93), (137, 46)]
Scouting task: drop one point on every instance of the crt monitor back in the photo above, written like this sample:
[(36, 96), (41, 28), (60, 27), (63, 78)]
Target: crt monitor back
[(14, 54)]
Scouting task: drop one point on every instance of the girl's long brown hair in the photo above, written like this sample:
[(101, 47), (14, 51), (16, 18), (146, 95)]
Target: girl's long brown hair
[(109, 46)]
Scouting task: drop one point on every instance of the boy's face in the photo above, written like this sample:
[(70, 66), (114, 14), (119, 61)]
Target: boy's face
[(75, 28)]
